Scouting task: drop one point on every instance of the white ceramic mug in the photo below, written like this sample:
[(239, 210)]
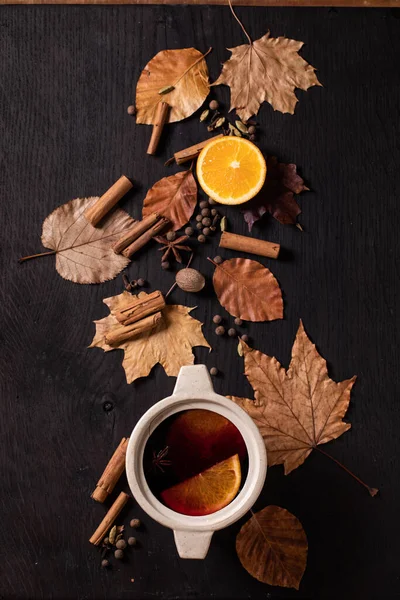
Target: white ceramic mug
[(194, 389)]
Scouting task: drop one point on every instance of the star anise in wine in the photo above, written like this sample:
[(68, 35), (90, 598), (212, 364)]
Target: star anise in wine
[(159, 461), (172, 247)]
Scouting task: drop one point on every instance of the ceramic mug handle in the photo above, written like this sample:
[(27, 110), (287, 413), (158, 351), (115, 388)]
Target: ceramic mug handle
[(193, 379), (192, 544)]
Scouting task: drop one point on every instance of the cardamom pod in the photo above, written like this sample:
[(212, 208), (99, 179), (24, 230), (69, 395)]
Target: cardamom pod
[(112, 535), (166, 89), (204, 115), (240, 349), (219, 122), (242, 127), (224, 223), (237, 133), (119, 537)]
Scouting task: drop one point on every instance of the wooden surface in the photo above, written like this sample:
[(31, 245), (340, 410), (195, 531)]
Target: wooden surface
[(336, 3), (67, 76)]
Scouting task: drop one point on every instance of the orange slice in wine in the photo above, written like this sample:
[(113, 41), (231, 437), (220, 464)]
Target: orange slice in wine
[(206, 492)]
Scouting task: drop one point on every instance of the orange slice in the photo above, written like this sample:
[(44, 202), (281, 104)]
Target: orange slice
[(206, 492), (231, 170)]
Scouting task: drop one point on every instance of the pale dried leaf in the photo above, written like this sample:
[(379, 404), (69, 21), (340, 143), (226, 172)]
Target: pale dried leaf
[(268, 70), (272, 547), (295, 410), (247, 289), (172, 68), (174, 197), (83, 252), (169, 344)]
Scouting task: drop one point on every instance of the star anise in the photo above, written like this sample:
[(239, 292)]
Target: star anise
[(172, 247), (159, 461)]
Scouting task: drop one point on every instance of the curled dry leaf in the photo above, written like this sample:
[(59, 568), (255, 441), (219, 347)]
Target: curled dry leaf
[(277, 195), (272, 547), (247, 289), (173, 197), (83, 252), (169, 344), (183, 72)]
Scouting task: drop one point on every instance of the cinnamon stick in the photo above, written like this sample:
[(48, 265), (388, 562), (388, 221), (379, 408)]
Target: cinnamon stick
[(135, 232), (123, 333), (109, 519), (140, 308), (111, 473), (95, 213), (160, 119), (193, 151), (145, 237), (243, 243)]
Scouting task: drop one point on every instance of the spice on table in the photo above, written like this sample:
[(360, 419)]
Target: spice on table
[(204, 115), (141, 282), (171, 236), (238, 321), (190, 280), (206, 231), (245, 338), (214, 212), (252, 129), (165, 265), (189, 231), (224, 224), (97, 211), (109, 519), (145, 238), (211, 201), (135, 523), (118, 335), (214, 371), (119, 554), (172, 247), (220, 330), (243, 243), (217, 319), (193, 151), (161, 117), (201, 238), (252, 137), (199, 225), (135, 232), (206, 221), (112, 472), (105, 563), (132, 541), (214, 105), (131, 110), (218, 260), (198, 218), (121, 544), (232, 332), (205, 212), (203, 204), (140, 307)]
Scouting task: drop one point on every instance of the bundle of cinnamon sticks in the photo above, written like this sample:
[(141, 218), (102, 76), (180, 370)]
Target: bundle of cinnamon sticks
[(140, 234)]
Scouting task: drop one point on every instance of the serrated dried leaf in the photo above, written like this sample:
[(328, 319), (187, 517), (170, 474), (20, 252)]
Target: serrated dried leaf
[(272, 547), (184, 70), (83, 252), (174, 197), (242, 127), (112, 535), (204, 115), (248, 290), (169, 344), (166, 89), (224, 224)]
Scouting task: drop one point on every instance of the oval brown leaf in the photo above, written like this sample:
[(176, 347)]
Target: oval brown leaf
[(272, 547), (247, 289), (83, 252), (173, 197), (185, 71)]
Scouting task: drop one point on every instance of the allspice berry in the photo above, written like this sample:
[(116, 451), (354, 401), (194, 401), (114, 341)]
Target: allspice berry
[(245, 338), (238, 321), (203, 204), (119, 554), (220, 330), (214, 371), (132, 541), (199, 225), (105, 564), (218, 260), (214, 105), (106, 541), (217, 319), (206, 221), (205, 212), (252, 129), (190, 280), (206, 231), (201, 238), (121, 544), (141, 282), (198, 218), (214, 212), (135, 523), (231, 332), (131, 110), (211, 201), (189, 231), (171, 235), (165, 265), (252, 138)]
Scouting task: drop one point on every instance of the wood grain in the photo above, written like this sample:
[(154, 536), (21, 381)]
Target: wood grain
[(67, 76), (294, 3)]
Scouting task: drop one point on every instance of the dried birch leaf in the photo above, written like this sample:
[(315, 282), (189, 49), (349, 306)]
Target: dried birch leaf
[(247, 289), (272, 547), (173, 197), (169, 344), (83, 252), (298, 409), (182, 71), (277, 195)]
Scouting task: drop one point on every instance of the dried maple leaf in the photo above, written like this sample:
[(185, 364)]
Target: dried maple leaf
[(272, 547), (173, 197), (248, 290), (83, 252), (277, 195), (298, 409), (267, 70), (182, 71), (169, 344)]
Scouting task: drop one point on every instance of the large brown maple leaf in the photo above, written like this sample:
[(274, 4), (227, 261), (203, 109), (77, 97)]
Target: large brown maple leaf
[(298, 409)]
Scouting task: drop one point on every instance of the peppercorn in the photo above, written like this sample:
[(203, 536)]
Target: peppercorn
[(105, 563), (132, 541), (171, 235), (131, 110), (119, 554), (217, 319), (203, 204), (199, 225), (135, 523), (218, 260), (231, 332), (189, 231), (252, 129), (214, 212), (121, 544), (106, 541), (252, 138), (238, 321), (201, 238), (245, 338), (205, 212), (198, 218), (211, 201), (220, 330), (165, 265), (214, 371), (141, 282), (214, 105), (206, 231), (206, 221)]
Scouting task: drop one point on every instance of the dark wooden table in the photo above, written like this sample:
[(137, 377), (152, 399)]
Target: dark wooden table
[(67, 76)]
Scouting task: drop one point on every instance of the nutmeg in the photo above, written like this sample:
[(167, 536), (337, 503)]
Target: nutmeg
[(190, 280)]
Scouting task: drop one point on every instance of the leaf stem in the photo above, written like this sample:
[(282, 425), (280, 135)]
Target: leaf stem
[(211, 261), (192, 65), (240, 23), (372, 491), (21, 260)]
